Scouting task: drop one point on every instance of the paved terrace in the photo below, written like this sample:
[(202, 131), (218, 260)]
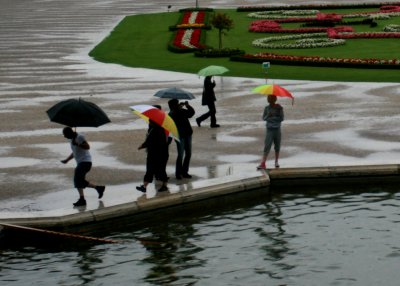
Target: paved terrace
[(43, 55)]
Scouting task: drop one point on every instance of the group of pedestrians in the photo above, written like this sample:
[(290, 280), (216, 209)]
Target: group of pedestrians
[(157, 143)]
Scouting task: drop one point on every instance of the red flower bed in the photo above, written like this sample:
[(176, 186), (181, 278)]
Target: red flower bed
[(319, 61), (337, 34), (198, 20), (268, 26), (188, 32)]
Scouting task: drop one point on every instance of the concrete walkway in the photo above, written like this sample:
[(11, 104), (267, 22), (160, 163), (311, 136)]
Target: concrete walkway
[(241, 180), (44, 49)]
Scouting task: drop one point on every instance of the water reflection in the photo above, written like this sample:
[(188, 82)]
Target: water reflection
[(294, 238), (86, 262), (276, 244), (170, 250)]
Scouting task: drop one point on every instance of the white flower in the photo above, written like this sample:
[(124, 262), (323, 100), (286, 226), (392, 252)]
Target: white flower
[(315, 40)]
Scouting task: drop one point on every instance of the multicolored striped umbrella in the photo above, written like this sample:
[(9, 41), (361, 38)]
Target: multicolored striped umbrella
[(158, 116), (272, 89)]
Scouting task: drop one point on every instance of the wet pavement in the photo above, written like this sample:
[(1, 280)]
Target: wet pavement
[(44, 58)]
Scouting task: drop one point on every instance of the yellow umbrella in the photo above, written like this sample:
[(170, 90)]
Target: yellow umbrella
[(158, 116)]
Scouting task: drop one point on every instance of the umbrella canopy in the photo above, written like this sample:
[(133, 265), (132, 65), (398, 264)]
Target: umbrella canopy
[(212, 70), (272, 89), (77, 113), (149, 112), (174, 92)]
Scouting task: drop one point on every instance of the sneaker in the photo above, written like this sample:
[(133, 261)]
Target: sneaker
[(80, 202), (215, 126), (163, 189), (141, 188), (100, 190), (198, 122), (277, 165), (262, 166), (187, 176), (178, 177)]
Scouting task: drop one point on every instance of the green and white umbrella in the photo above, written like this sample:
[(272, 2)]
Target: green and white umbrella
[(212, 70)]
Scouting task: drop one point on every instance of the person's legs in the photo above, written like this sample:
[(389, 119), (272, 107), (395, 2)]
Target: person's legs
[(80, 182), (267, 148), (148, 176), (277, 146), (202, 118), (160, 172), (213, 112), (188, 155), (180, 148)]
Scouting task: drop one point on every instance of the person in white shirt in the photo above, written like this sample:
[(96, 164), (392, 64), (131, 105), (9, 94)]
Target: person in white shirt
[(80, 151)]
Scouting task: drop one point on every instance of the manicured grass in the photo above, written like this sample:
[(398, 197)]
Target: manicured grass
[(141, 41)]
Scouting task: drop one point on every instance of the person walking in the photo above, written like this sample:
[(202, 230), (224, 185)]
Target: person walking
[(156, 144), (80, 151), (273, 115), (208, 99), (180, 113)]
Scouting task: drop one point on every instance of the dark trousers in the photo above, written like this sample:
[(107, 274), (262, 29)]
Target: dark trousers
[(156, 166), (211, 113), (184, 150), (80, 174)]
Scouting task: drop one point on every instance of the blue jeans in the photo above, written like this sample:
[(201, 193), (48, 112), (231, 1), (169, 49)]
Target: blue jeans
[(184, 149)]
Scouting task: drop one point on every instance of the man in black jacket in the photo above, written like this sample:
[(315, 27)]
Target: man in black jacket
[(209, 100), (180, 113)]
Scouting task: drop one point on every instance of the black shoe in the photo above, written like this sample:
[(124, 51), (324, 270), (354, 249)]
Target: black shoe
[(187, 176), (163, 189), (215, 126), (141, 188), (80, 202), (198, 122), (100, 190), (178, 177)]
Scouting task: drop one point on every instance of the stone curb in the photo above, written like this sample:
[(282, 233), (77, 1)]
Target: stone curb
[(219, 187), (215, 189)]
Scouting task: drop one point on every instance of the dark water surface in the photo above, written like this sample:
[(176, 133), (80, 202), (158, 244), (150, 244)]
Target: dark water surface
[(348, 237)]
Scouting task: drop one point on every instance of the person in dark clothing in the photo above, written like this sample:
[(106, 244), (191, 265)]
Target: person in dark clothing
[(209, 100), (156, 144), (180, 113)]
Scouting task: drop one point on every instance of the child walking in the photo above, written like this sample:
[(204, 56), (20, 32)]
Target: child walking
[(273, 115)]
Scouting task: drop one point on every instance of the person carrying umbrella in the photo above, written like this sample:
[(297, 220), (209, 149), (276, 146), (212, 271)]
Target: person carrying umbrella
[(156, 144), (180, 113), (273, 115), (80, 151), (209, 100)]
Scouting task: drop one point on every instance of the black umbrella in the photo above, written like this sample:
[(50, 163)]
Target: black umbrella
[(174, 92), (77, 113)]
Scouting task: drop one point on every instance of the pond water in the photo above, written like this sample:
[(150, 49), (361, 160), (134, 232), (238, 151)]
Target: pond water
[(346, 237)]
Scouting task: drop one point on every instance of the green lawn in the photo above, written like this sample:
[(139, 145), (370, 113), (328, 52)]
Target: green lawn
[(141, 41)]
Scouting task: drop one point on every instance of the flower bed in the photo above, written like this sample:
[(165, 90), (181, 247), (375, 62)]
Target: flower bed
[(189, 35), (317, 6), (324, 34), (318, 61), (192, 20), (304, 41), (187, 40)]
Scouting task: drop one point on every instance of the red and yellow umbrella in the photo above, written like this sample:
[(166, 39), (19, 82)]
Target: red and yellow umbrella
[(149, 112), (272, 89)]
